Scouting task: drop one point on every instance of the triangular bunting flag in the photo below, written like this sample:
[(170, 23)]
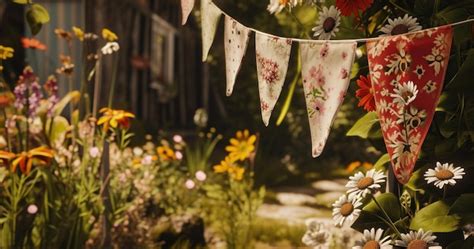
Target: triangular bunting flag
[(186, 8), (210, 15), (236, 37), (273, 54), (326, 70), (407, 74)]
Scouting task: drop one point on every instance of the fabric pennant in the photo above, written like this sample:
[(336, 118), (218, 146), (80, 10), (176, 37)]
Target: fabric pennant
[(273, 54), (236, 37), (326, 69), (186, 8), (210, 15), (407, 74)]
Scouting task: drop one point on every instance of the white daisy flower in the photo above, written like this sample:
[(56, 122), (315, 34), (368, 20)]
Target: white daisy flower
[(110, 48), (328, 23), (316, 235), (373, 239), (405, 93), (362, 184), (444, 174), (276, 6), (346, 209), (417, 239), (401, 25)]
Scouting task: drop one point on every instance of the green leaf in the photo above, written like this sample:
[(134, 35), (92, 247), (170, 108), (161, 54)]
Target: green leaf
[(22, 1), (364, 125), (72, 97), (59, 127), (417, 181), (383, 160), (462, 207), (36, 16), (367, 220), (389, 203), (435, 217), (463, 78)]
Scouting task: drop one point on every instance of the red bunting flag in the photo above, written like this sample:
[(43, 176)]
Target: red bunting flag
[(407, 74)]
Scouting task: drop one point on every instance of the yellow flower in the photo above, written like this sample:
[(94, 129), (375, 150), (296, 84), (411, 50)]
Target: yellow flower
[(78, 32), (41, 155), (114, 118), (6, 52), (165, 153), (242, 145), (236, 172), (229, 166), (109, 35)]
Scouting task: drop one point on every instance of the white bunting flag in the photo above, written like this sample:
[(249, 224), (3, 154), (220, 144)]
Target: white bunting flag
[(236, 37), (326, 70), (186, 8), (210, 15), (273, 54)]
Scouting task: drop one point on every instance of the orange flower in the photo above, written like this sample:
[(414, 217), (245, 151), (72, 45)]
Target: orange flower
[(348, 7), (353, 166), (63, 34), (6, 157), (25, 160), (5, 100), (365, 93), (32, 43), (114, 118), (165, 153)]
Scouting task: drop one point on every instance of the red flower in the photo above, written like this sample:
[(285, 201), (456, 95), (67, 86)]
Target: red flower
[(347, 7), (32, 43), (365, 93)]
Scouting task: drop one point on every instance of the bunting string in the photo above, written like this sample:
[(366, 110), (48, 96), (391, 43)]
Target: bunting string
[(406, 76), (358, 40)]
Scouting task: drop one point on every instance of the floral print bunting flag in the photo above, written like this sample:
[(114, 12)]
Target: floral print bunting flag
[(186, 8), (210, 15), (236, 37), (273, 54), (407, 74), (326, 70)]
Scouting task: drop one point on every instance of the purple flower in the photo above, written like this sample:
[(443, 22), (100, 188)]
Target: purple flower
[(35, 97), (20, 96)]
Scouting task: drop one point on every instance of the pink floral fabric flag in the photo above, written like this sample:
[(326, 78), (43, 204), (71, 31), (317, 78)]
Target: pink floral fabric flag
[(236, 37), (273, 54), (186, 8), (407, 74), (326, 69), (210, 15)]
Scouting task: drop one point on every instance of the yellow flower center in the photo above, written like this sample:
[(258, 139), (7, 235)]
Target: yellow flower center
[(444, 174), (417, 244), (346, 209), (365, 182), (372, 244)]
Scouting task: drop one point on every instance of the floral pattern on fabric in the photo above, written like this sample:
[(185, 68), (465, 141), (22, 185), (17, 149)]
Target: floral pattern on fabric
[(210, 15), (326, 71), (273, 54), (186, 8), (407, 74), (236, 37)]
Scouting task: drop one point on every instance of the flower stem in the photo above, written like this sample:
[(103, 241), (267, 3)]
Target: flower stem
[(114, 79), (444, 191), (392, 225)]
